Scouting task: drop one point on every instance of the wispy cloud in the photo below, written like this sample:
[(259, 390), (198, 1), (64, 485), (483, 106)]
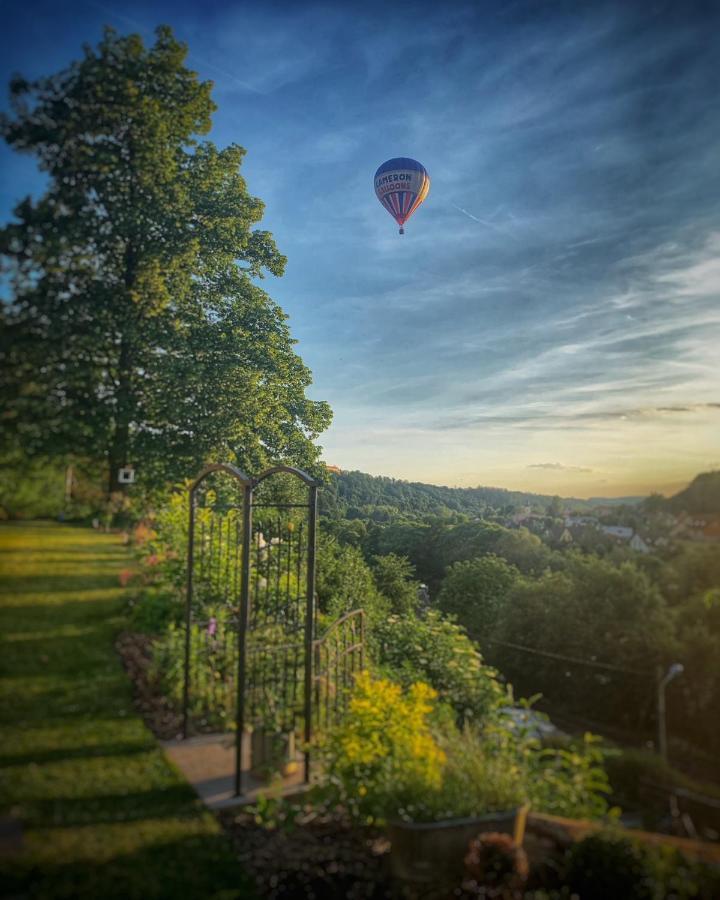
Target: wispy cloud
[(558, 467), (559, 288)]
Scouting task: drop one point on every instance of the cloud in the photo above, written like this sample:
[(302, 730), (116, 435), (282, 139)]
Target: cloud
[(559, 467)]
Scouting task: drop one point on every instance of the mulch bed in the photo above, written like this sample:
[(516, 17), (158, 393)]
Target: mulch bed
[(322, 857), (159, 714), (316, 856)]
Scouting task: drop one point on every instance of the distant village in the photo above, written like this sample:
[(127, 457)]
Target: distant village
[(632, 527)]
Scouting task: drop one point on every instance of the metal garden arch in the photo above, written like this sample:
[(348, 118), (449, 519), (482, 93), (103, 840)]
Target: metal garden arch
[(250, 608)]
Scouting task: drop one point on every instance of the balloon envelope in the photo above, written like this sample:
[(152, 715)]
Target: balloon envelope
[(401, 185)]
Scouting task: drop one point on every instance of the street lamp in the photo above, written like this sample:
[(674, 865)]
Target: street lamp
[(663, 681)]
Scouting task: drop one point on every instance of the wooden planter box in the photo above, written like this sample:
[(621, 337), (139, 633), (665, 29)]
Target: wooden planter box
[(426, 852), (271, 750)]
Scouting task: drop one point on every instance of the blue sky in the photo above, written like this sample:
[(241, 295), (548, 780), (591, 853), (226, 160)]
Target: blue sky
[(550, 320)]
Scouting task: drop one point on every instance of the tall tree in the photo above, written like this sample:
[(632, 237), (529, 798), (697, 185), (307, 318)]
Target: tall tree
[(476, 591), (137, 332)]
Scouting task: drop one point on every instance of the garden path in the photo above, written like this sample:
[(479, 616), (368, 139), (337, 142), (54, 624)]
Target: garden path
[(208, 763)]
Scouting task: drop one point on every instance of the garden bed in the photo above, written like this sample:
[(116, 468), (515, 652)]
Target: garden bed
[(320, 856), (159, 714)]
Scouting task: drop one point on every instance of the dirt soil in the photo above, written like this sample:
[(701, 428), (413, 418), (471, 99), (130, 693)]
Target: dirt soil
[(158, 713)]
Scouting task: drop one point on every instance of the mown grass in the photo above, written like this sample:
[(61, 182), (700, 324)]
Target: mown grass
[(103, 813)]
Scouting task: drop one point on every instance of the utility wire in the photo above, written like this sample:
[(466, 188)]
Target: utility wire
[(571, 659)]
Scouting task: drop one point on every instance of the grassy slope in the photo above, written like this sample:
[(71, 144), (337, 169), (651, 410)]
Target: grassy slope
[(104, 814)]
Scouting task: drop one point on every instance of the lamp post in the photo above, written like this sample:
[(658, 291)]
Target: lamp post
[(663, 681)]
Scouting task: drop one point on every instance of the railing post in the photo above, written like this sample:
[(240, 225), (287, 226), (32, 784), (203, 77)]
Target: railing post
[(188, 610), (242, 634), (309, 622)]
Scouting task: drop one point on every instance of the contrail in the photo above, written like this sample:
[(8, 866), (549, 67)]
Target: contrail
[(484, 222), (469, 215)]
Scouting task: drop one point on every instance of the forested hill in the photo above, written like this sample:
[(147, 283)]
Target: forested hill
[(354, 492), (702, 495)]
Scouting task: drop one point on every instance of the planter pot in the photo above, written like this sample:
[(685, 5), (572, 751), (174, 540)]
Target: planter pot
[(426, 852), (271, 751)]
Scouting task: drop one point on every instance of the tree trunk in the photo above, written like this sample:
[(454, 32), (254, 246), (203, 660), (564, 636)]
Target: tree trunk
[(119, 446)]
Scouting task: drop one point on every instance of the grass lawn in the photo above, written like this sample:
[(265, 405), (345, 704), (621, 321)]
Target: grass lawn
[(103, 813)]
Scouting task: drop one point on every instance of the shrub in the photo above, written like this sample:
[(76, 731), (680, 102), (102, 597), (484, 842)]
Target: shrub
[(567, 781), (609, 864), (384, 751), (603, 866), (438, 651), (396, 756), (213, 667), (155, 608), (476, 780)]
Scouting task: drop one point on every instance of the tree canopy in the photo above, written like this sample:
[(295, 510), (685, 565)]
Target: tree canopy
[(137, 332)]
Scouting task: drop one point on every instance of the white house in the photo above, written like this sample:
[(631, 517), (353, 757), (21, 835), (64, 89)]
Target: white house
[(621, 532)]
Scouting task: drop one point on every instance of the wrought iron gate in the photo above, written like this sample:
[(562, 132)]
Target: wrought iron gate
[(252, 657)]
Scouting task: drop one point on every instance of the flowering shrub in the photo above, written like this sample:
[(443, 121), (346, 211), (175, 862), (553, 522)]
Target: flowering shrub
[(395, 756), (384, 750)]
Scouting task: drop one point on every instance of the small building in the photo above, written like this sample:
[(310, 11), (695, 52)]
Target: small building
[(621, 532)]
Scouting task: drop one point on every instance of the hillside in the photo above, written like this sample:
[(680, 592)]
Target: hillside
[(347, 492), (702, 495)]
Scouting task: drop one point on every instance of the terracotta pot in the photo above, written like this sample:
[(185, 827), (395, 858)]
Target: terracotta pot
[(425, 852)]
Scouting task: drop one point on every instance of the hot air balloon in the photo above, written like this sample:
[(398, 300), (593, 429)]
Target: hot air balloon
[(401, 185)]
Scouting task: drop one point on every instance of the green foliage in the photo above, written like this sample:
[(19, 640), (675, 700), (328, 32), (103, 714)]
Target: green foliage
[(135, 331), (566, 781), (414, 499), (30, 489), (384, 752), (394, 577), (593, 610), (213, 669), (603, 866), (527, 552), (476, 780), (608, 864), (476, 591), (438, 651), (345, 582), (36, 488), (154, 608), (396, 756)]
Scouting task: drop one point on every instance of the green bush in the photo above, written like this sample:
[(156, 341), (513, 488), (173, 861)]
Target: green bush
[(609, 864), (213, 668), (438, 651), (476, 780), (397, 756), (563, 780), (156, 607), (384, 754)]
